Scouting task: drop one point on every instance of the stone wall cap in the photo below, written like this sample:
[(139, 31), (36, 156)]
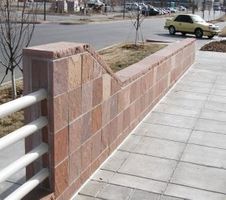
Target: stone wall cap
[(56, 50)]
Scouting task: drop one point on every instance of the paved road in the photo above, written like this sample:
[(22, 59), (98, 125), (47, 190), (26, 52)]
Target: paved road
[(101, 35)]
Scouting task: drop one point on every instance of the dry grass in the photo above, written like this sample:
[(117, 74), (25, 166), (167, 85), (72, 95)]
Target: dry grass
[(14, 121), (121, 56)]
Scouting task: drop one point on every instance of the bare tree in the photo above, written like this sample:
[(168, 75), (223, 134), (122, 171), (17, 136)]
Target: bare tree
[(137, 19), (16, 29)]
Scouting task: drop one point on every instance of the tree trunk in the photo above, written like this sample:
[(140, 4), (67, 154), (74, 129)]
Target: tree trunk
[(14, 92)]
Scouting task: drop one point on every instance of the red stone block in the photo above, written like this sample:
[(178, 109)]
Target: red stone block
[(61, 145), (75, 103), (85, 174), (123, 99), (126, 118), (61, 178), (133, 111), (97, 91), (135, 91), (97, 70), (87, 67), (120, 123), (106, 112), (86, 127), (115, 87), (96, 119), (58, 76), (113, 130), (87, 96), (75, 135), (86, 154), (163, 69), (105, 136), (113, 106), (106, 86), (96, 146), (75, 165), (74, 71), (60, 112)]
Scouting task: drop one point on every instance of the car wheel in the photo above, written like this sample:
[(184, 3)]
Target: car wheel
[(210, 36), (172, 30), (198, 33)]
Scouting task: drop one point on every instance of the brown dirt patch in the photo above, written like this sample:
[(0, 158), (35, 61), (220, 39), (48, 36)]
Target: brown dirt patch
[(218, 46), (121, 56), (16, 120)]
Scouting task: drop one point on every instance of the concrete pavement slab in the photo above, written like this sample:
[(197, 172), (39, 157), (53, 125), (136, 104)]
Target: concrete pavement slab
[(208, 156), (218, 99), (208, 139), (211, 126), (162, 132), (155, 147), (143, 195), (193, 193), (177, 110), (93, 188), (195, 84), (212, 105), (130, 181), (213, 115), (116, 161), (171, 120), (115, 192), (191, 88), (194, 104), (149, 167), (200, 177), (187, 95), (219, 92)]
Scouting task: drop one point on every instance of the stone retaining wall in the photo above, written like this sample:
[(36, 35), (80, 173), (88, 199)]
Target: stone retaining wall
[(90, 109)]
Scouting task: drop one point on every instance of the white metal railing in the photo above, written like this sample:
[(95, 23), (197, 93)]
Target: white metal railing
[(19, 134)]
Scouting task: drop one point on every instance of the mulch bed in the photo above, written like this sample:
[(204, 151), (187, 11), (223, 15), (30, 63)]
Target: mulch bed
[(218, 46)]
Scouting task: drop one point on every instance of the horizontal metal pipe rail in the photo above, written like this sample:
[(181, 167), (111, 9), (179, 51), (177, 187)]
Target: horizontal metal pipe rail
[(19, 134), (22, 102)]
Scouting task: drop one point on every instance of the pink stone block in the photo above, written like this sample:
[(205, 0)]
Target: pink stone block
[(115, 87), (60, 112), (106, 112), (86, 154), (75, 135), (106, 86), (75, 103), (96, 146), (87, 67), (97, 70), (123, 99), (96, 119), (113, 106), (75, 165), (86, 127), (87, 96), (97, 91), (74, 72), (61, 145), (58, 76), (61, 178)]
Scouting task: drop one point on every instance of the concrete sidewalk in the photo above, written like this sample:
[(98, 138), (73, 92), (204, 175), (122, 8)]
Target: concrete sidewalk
[(179, 150)]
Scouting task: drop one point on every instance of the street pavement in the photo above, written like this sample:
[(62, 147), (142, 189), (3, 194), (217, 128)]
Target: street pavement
[(178, 151)]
